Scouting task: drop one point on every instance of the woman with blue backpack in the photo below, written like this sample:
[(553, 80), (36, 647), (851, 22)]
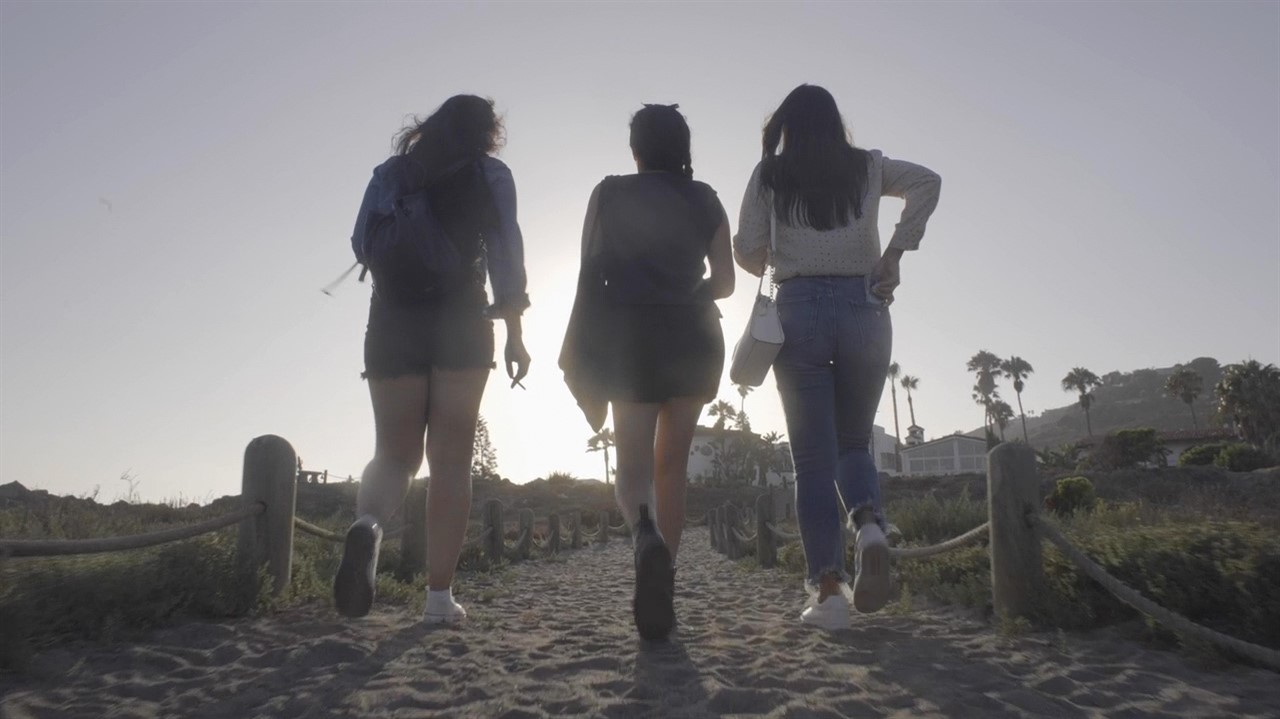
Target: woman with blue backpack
[(437, 218)]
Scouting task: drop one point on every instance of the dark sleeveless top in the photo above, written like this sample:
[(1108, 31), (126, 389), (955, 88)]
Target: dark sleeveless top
[(657, 229)]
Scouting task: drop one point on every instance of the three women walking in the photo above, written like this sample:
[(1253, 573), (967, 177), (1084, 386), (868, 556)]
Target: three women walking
[(644, 337)]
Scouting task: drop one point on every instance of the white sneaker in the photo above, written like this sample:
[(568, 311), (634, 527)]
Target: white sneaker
[(442, 610), (871, 583), (832, 613)]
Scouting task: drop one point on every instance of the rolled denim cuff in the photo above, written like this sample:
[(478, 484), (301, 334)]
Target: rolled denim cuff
[(813, 583)]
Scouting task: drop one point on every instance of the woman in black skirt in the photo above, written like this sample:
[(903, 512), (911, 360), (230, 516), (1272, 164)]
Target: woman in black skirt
[(646, 338)]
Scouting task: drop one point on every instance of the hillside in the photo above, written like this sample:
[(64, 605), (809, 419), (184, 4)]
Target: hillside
[(1125, 399)]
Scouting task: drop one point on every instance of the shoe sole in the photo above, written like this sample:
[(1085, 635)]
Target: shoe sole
[(871, 586), (352, 590), (443, 618), (654, 605)]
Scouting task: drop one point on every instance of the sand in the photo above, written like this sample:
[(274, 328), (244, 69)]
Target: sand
[(553, 638)]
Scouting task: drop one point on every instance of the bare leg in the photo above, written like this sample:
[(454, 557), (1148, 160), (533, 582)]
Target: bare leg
[(451, 420), (400, 419), (676, 422), (633, 428)]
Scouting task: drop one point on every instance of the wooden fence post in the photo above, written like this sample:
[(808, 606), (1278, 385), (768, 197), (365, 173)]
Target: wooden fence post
[(714, 523), (736, 550), (553, 533), (711, 526), (575, 536), (766, 549), (413, 543), (493, 524), (1013, 495), (271, 477), (604, 527), (526, 534)]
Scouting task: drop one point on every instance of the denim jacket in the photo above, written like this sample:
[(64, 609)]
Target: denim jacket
[(503, 242)]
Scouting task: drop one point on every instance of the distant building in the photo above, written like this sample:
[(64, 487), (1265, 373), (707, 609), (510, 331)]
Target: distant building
[(709, 441), (955, 454), (882, 450)]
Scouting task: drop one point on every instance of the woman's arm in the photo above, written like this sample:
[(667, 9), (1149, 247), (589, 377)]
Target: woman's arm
[(504, 243), (720, 257), (751, 244), (919, 186)]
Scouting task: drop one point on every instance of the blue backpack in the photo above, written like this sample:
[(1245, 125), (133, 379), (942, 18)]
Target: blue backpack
[(401, 241)]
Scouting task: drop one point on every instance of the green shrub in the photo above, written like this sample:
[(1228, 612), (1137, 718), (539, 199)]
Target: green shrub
[(1223, 575), (929, 519), (1129, 448), (1243, 458), (1071, 495), (1201, 455)]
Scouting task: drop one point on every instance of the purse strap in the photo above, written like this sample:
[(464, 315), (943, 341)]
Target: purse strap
[(773, 250)]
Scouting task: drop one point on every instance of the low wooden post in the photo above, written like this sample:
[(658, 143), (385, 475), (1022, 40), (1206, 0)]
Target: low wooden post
[(524, 547), (413, 543), (271, 477), (734, 526), (575, 536), (1013, 495), (553, 534), (711, 526), (766, 548), (714, 523), (603, 535), (493, 524)]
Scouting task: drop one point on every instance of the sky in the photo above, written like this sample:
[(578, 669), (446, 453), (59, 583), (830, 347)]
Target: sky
[(178, 181)]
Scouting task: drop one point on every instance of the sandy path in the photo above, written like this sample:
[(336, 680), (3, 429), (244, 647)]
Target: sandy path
[(553, 638)]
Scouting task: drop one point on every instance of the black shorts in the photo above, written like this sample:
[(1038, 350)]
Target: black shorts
[(661, 352), (403, 340)]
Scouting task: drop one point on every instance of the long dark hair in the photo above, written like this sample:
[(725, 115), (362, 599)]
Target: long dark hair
[(820, 177), (660, 139), (463, 126)]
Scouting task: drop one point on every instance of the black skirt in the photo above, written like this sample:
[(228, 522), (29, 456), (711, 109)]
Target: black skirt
[(659, 352)]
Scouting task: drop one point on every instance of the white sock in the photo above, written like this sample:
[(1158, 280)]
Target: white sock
[(440, 599)]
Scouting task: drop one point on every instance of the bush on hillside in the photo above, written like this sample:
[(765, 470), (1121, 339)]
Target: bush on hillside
[(1071, 495), (1243, 458), (1129, 448), (1201, 455)]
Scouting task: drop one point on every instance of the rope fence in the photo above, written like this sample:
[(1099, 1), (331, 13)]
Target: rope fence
[(267, 524), (1014, 532), (67, 547)]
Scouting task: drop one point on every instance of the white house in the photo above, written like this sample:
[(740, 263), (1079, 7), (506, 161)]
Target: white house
[(955, 454)]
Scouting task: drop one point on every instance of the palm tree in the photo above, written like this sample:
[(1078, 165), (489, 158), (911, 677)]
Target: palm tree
[(984, 365), (909, 383), (1082, 381), (894, 371), (1249, 396), (602, 441), (1017, 369), (1185, 384), (743, 391), (722, 411), (1001, 414)]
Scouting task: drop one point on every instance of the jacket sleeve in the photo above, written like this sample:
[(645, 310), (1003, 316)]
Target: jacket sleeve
[(504, 244), (750, 244)]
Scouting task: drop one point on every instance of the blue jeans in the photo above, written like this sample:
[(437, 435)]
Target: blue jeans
[(830, 374)]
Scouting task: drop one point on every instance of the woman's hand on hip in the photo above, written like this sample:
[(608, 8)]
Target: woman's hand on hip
[(888, 275)]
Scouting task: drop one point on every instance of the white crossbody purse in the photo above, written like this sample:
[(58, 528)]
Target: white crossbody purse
[(755, 352)]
